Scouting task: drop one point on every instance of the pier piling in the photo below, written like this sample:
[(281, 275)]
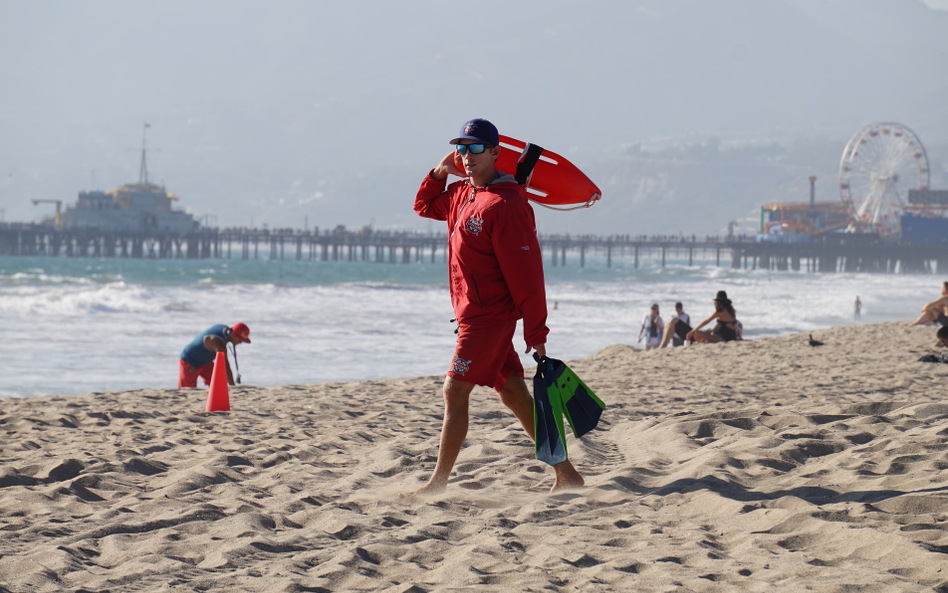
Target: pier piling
[(850, 253)]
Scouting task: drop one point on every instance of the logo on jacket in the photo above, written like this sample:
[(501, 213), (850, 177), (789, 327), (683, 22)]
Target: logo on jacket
[(474, 225), (460, 366)]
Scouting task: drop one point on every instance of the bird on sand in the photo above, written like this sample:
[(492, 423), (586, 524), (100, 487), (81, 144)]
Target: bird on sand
[(815, 343)]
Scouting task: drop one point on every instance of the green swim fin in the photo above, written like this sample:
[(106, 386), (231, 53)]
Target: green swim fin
[(580, 404), (548, 415)]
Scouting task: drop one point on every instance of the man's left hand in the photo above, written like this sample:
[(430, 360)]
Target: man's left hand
[(540, 348)]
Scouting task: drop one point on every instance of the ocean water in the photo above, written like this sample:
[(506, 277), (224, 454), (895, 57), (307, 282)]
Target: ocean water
[(73, 326)]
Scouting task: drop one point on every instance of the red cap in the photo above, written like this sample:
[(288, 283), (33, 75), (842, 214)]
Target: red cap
[(242, 331)]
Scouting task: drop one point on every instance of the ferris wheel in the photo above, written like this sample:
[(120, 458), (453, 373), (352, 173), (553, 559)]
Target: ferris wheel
[(880, 164)]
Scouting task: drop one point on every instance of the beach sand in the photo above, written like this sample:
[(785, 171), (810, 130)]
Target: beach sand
[(756, 466)]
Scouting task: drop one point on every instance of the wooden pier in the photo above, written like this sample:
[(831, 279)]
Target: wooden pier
[(834, 253)]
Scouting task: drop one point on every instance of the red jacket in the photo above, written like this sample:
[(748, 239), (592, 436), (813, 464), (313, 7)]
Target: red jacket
[(495, 265)]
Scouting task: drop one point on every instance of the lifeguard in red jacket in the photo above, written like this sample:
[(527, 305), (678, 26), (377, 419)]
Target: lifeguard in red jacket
[(496, 278)]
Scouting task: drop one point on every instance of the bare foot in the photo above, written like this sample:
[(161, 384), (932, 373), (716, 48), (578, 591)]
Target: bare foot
[(429, 489), (566, 477)]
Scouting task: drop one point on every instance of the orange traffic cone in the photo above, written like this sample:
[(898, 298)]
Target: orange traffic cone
[(218, 399)]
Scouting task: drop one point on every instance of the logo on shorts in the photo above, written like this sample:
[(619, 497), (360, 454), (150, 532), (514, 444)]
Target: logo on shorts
[(474, 225), (460, 366)]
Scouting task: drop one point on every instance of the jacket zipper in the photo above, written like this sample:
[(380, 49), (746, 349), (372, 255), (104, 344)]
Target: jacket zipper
[(476, 294), (458, 221)]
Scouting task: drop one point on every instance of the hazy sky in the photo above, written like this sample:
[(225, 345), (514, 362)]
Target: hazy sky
[(272, 111)]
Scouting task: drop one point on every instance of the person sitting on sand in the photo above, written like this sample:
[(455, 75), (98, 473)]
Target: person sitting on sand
[(938, 356), (496, 278), (652, 327), (677, 328), (942, 336), (935, 311), (197, 358), (726, 329)]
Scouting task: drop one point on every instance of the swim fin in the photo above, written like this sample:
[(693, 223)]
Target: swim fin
[(580, 404), (548, 415)]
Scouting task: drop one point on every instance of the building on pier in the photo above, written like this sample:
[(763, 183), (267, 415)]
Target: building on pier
[(132, 207), (924, 222)]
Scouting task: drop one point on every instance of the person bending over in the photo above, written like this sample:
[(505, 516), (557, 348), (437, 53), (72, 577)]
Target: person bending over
[(727, 327), (496, 277), (197, 358)]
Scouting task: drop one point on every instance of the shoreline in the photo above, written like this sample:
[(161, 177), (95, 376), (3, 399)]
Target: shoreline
[(308, 335), (760, 465)]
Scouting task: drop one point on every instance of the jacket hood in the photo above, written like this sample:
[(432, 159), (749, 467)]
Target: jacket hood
[(504, 178)]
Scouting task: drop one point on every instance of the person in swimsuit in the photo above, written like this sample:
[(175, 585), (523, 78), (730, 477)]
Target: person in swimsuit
[(726, 328), (938, 355), (942, 335), (935, 311), (652, 327), (676, 331)]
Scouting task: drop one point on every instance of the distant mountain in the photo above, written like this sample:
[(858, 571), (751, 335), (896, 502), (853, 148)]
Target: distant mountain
[(699, 189), (789, 82), (332, 112)]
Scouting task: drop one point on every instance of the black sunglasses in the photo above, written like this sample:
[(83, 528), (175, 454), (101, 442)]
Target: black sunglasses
[(474, 148)]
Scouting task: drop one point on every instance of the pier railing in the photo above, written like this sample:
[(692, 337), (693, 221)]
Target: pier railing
[(833, 253)]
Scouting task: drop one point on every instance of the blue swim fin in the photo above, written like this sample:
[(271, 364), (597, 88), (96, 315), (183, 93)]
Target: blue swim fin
[(580, 404), (548, 415)]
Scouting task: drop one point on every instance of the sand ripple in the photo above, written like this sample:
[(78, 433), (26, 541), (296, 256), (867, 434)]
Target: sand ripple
[(761, 466)]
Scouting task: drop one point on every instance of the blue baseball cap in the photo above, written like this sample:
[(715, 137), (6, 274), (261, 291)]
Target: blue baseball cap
[(478, 130)]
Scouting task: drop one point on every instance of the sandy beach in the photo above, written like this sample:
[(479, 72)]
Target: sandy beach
[(764, 465)]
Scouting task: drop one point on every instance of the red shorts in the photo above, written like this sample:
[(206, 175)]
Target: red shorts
[(189, 378), (485, 354)]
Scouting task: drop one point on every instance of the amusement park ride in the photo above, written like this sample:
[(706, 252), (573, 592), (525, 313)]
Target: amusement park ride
[(884, 189)]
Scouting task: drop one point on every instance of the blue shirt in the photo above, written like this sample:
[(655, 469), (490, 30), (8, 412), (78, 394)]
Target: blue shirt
[(195, 354)]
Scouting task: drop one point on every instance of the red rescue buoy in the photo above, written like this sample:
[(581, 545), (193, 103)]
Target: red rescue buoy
[(550, 179)]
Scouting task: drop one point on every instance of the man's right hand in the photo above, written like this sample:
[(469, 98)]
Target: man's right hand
[(446, 167)]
